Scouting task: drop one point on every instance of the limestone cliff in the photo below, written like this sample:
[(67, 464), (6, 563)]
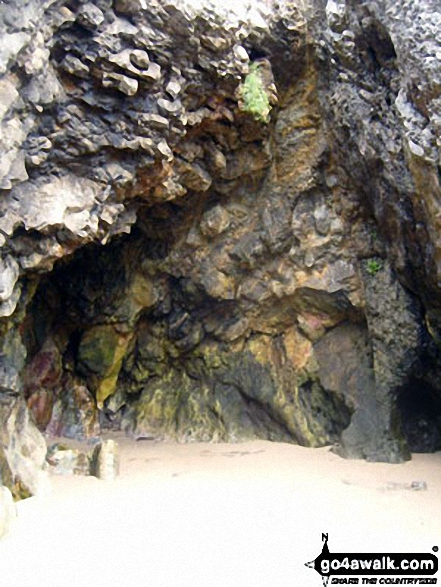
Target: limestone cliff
[(222, 223)]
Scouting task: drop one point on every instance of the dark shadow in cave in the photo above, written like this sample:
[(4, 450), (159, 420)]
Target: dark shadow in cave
[(420, 407)]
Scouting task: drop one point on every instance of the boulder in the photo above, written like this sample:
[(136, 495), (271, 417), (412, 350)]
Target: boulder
[(68, 461), (105, 461)]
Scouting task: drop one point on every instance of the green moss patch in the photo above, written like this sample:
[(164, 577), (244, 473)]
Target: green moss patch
[(255, 99)]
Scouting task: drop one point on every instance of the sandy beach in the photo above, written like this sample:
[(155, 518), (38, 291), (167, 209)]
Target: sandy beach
[(237, 515)]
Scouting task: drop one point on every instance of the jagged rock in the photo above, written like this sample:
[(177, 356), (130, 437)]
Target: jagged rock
[(130, 6), (68, 461), (140, 58), (194, 177), (8, 512), (345, 367), (134, 61), (45, 369), (153, 73), (38, 150), (157, 121), (41, 404), (90, 15), (173, 88), (12, 362), (241, 53), (167, 107), (9, 272), (58, 201), (165, 150), (75, 66), (124, 84), (101, 353), (210, 403), (73, 415), (40, 378), (8, 95), (215, 221), (10, 46), (23, 450)]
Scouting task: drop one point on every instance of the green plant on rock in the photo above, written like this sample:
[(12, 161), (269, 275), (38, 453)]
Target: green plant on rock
[(255, 99), (373, 267)]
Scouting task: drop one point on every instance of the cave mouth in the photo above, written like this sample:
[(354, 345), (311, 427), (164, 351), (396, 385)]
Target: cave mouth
[(420, 407), (116, 341)]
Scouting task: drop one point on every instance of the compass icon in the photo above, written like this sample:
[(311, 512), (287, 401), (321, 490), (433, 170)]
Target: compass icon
[(316, 563)]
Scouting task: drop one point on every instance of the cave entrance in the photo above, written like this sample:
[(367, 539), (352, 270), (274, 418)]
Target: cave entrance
[(118, 338), (420, 407)]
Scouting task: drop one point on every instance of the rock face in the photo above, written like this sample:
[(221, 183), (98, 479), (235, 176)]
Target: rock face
[(220, 224), (22, 452)]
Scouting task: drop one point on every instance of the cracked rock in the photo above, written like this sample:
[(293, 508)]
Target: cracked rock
[(124, 84)]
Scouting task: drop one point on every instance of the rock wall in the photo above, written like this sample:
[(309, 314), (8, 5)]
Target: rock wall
[(218, 224)]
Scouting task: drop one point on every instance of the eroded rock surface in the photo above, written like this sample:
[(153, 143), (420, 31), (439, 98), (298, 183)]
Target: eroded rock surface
[(221, 223), (23, 450)]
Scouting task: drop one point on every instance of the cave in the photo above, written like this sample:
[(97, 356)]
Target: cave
[(115, 342), (420, 407)]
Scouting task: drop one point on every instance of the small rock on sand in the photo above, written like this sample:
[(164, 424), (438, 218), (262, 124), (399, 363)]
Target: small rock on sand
[(105, 461)]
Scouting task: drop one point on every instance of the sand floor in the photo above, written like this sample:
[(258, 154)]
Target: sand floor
[(196, 515)]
